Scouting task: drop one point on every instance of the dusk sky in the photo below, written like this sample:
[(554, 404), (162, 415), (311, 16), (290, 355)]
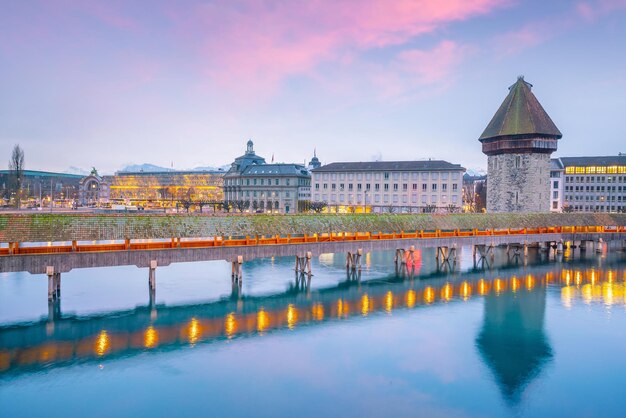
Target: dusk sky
[(107, 83)]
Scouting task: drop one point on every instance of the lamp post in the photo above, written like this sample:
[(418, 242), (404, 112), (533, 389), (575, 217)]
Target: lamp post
[(365, 201)]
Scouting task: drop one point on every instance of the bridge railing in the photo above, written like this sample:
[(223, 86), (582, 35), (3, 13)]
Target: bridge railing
[(16, 248)]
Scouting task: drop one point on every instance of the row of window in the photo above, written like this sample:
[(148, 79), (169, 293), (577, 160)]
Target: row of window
[(617, 189), (598, 208), (396, 187), (268, 182), (597, 198), (255, 193), (595, 179), (377, 198), (388, 175)]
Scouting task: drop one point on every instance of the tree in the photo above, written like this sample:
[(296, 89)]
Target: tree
[(16, 167), (430, 208), (318, 207), (568, 209), (390, 209), (452, 208), (240, 205)]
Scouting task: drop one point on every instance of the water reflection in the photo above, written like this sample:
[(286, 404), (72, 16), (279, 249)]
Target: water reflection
[(512, 341)]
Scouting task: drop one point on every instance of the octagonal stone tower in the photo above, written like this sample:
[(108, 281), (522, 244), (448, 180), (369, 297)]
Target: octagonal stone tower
[(518, 142)]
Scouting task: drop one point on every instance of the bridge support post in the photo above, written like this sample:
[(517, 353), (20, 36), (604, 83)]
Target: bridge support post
[(237, 268), (303, 263), (152, 274), (599, 245), (54, 283), (559, 247), (353, 260)]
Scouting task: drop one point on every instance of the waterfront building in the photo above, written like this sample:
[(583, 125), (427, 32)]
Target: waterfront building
[(41, 186), (518, 142), (594, 184), (389, 186), (556, 185), (253, 185), (152, 189)]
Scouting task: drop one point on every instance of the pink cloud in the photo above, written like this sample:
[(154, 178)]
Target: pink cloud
[(258, 42), (540, 31)]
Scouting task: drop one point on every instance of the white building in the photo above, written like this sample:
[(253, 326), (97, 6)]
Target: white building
[(557, 178), (389, 186)]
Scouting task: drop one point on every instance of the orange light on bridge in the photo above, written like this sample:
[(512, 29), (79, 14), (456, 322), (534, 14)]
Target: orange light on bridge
[(103, 343), (429, 295), (262, 320), (194, 331), (292, 316), (318, 312), (230, 325), (389, 302), (150, 337), (410, 298)]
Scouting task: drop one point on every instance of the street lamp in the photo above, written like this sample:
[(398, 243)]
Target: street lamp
[(365, 201)]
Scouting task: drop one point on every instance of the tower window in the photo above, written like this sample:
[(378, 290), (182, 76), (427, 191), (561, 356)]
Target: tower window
[(518, 161)]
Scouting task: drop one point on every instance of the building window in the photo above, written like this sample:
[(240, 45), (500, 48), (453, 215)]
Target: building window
[(317, 186), (424, 187), (405, 187), (455, 187), (377, 187), (350, 186), (434, 187), (395, 187), (358, 186), (386, 176), (386, 187), (518, 161), (444, 186)]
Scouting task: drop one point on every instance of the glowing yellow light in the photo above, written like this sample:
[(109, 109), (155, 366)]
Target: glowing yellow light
[(498, 285), (610, 275), (567, 294), (514, 284), (607, 293), (410, 298), (230, 325), (466, 290), (150, 337), (340, 308), (429, 295), (446, 292), (593, 277), (262, 320), (193, 331), (530, 282), (292, 316), (365, 304), (482, 287), (587, 293), (579, 278), (568, 278), (318, 311), (103, 344), (389, 302)]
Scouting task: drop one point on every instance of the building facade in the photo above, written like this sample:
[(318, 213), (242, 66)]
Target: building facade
[(152, 189), (518, 142), (41, 187), (594, 184), (252, 185), (389, 186), (556, 185)]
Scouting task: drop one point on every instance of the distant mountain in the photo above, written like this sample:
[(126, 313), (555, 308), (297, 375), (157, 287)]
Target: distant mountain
[(210, 168), (476, 172), (144, 168), (76, 170)]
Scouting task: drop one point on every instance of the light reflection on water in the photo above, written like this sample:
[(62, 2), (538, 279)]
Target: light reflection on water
[(527, 316)]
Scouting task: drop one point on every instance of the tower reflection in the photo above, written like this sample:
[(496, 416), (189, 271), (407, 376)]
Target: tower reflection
[(512, 341)]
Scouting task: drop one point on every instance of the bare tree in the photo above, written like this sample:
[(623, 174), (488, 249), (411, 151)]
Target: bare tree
[(16, 167), (240, 205)]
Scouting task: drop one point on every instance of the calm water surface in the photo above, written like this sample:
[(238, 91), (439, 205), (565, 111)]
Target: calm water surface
[(543, 339)]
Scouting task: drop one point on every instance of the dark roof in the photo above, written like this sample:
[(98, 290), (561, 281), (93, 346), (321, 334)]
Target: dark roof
[(590, 161), (35, 173), (520, 114), (556, 164), (425, 165), (276, 170)]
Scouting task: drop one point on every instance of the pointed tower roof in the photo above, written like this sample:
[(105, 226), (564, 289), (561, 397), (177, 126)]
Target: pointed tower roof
[(520, 114)]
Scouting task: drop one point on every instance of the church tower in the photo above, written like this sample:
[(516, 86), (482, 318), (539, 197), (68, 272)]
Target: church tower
[(518, 142)]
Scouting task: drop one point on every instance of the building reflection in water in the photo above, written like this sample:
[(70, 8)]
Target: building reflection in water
[(512, 341)]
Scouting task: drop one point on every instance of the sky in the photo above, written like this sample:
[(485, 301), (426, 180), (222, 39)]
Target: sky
[(103, 84)]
